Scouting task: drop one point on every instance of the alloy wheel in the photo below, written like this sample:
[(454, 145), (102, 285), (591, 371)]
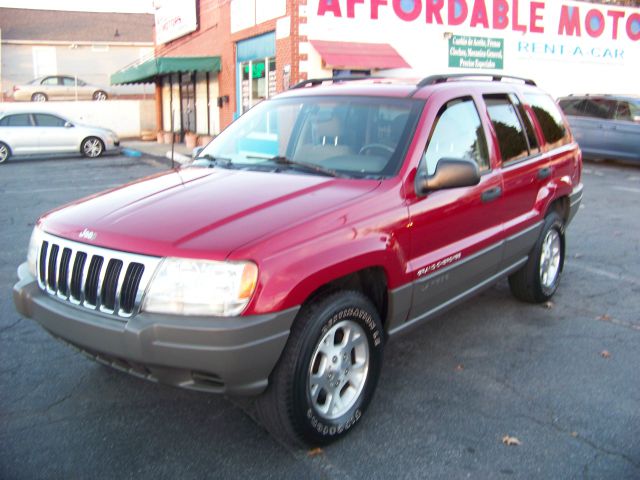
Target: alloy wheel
[(550, 258), (338, 369)]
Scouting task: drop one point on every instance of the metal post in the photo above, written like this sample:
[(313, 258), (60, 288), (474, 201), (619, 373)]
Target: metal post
[(173, 135)]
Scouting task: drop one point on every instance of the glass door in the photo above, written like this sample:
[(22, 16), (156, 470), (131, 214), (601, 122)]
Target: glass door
[(188, 102)]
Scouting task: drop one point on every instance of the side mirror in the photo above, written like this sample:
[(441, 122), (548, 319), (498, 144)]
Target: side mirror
[(196, 151), (636, 118), (68, 124), (450, 173)]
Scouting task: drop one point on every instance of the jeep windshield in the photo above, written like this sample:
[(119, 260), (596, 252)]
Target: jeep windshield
[(356, 137)]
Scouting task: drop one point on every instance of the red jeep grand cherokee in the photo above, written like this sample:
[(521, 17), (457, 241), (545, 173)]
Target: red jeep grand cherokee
[(316, 227)]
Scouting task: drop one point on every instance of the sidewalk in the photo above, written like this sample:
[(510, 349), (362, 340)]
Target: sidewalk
[(159, 151)]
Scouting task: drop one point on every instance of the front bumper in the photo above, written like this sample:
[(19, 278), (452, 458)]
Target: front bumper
[(232, 355)]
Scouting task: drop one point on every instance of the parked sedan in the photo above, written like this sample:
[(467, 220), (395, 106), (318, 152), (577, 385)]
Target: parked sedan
[(58, 87), (31, 133), (605, 126)]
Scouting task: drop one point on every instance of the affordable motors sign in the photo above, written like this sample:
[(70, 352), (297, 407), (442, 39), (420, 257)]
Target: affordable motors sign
[(570, 19)]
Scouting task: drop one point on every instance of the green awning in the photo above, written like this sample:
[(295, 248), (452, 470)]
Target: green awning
[(147, 72)]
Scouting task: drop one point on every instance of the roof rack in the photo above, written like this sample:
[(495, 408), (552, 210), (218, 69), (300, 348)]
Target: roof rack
[(312, 82), (434, 79)]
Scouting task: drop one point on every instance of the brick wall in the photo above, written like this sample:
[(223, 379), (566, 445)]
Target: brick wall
[(213, 37)]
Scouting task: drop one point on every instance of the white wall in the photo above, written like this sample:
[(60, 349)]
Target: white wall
[(128, 118), (577, 66), (247, 13)]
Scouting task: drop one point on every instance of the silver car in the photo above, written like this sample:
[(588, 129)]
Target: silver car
[(32, 133), (58, 87), (605, 126)]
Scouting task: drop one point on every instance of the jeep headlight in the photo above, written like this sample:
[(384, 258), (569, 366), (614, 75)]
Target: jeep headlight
[(34, 247), (201, 287)]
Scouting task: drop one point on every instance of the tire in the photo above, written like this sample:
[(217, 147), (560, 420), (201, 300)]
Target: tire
[(39, 97), (298, 407), (539, 278), (100, 95), (5, 152), (92, 147)]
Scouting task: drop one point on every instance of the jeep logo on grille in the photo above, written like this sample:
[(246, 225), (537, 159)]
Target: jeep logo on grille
[(88, 234)]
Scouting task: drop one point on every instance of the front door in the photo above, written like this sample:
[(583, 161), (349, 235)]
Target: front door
[(53, 135), (455, 234)]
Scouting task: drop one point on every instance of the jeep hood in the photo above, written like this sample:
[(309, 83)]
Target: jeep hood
[(200, 212)]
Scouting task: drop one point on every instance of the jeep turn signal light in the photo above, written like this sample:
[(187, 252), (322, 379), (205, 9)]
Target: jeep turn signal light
[(248, 281)]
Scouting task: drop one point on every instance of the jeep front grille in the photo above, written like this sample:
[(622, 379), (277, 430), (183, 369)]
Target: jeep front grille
[(96, 278)]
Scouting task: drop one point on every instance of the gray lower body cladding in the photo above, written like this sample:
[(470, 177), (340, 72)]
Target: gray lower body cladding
[(233, 355)]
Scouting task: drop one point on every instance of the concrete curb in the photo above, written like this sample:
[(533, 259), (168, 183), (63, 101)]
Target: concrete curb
[(179, 158)]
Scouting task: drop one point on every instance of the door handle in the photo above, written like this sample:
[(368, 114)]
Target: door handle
[(544, 173), (491, 194)]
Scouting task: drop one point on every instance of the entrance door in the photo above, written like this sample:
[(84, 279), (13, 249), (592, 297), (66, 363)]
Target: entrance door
[(188, 102)]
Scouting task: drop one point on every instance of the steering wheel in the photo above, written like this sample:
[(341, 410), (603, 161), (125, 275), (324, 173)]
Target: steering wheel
[(379, 146)]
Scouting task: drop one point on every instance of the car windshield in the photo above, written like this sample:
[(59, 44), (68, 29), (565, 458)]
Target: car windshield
[(358, 137)]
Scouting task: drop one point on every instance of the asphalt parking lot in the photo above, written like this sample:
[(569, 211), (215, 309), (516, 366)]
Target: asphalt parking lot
[(563, 379)]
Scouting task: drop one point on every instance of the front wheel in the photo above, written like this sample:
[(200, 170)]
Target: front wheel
[(39, 97), (5, 153), (92, 147), (328, 371), (539, 278)]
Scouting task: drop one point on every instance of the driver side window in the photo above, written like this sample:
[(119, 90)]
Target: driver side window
[(457, 133)]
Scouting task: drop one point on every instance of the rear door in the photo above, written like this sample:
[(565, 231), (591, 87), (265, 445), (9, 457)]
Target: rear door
[(591, 118), (455, 234), (523, 173), (18, 132), (51, 87)]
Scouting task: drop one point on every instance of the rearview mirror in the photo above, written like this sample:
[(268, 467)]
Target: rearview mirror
[(450, 173), (68, 124)]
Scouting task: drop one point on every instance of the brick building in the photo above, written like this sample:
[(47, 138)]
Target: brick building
[(214, 59)]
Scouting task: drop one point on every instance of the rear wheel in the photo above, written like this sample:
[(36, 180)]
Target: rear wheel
[(39, 97), (539, 278), (92, 147), (328, 371), (100, 95), (5, 153)]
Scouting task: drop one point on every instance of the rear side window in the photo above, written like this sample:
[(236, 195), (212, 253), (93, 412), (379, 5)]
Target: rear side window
[(590, 107), (20, 120), (549, 117), (457, 133), (514, 141), (50, 81)]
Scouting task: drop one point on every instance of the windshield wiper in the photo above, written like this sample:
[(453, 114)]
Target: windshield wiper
[(280, 160), (214, 161)]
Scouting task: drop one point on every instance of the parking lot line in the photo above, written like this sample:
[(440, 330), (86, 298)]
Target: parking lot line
[(628, 189), (604, 273)]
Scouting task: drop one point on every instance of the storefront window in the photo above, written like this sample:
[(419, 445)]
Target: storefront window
[(258, 81)]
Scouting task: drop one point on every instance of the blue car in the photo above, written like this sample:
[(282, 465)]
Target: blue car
[(605, 126)]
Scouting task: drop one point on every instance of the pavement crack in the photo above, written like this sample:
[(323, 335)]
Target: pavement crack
[(602, 450), (9, 327)]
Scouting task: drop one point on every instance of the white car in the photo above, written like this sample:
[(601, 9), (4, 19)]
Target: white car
[(33, 133)]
